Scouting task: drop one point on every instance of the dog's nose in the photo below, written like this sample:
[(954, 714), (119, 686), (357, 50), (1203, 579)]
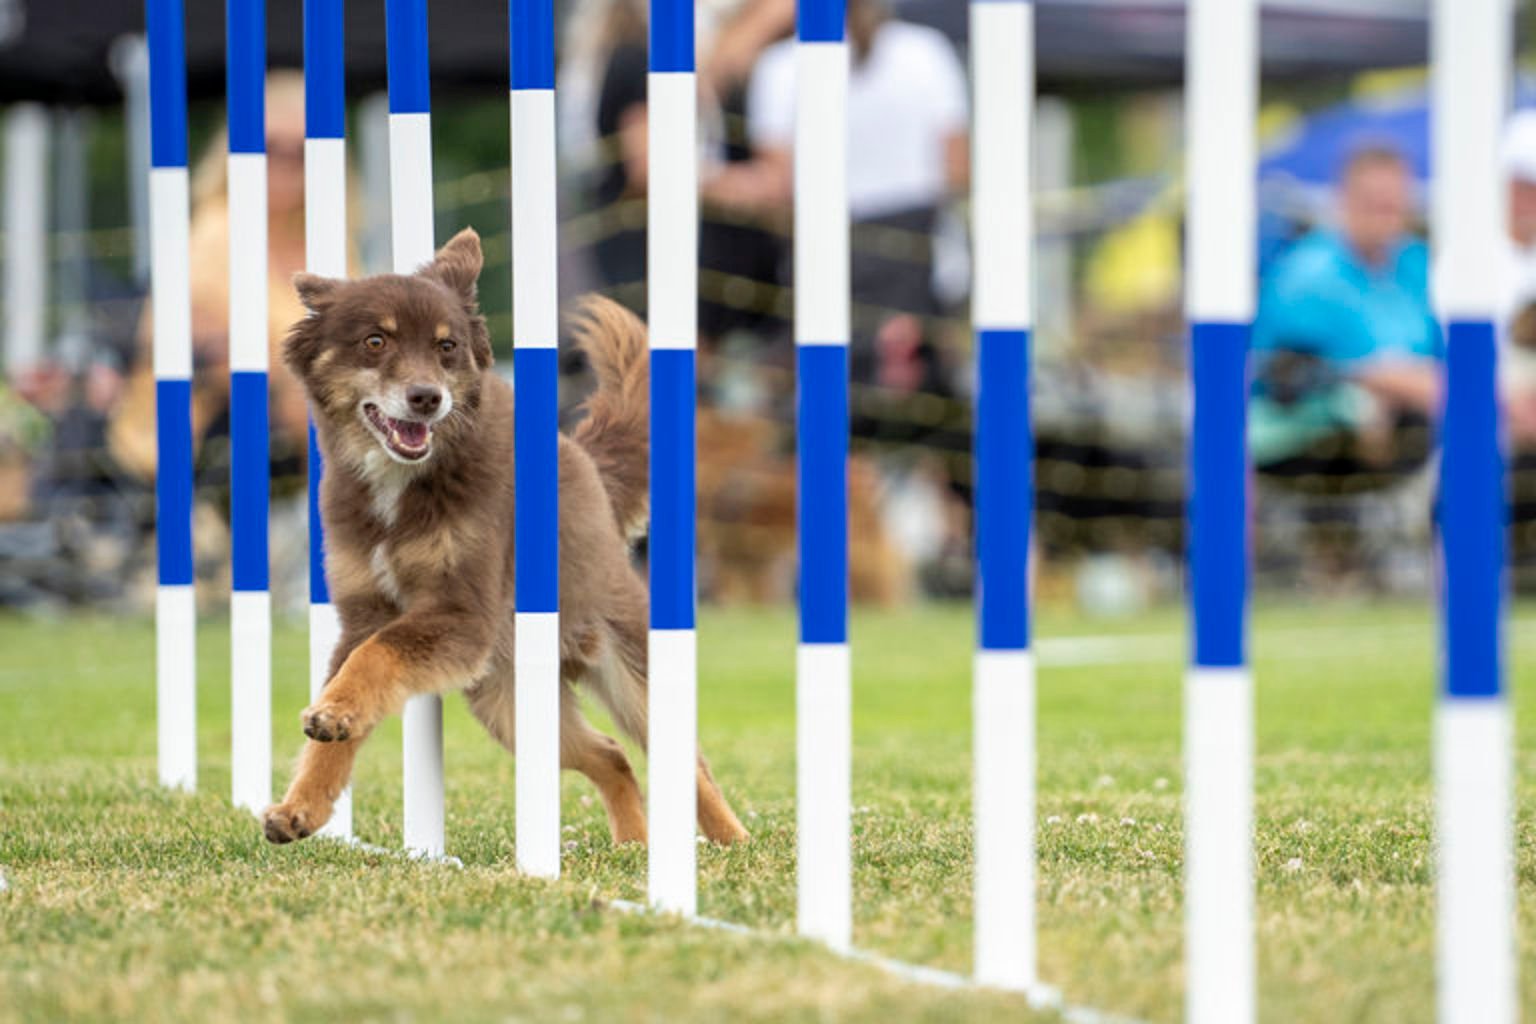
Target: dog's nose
[(424, 399)]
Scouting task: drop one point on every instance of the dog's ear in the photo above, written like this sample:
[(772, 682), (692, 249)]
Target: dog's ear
[(480, 342), (457, 265), (302, 346), (316, 292)]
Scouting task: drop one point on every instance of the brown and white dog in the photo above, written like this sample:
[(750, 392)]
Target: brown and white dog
[(416, 429)]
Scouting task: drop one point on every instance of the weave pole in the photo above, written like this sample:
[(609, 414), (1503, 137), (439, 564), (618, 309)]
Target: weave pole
[(325, 253), (1002, 54), (1471, 57), (250, 608), (411, 234), (672, 241), (823, 692), (175, 609), (535, 369), (1221, 113)]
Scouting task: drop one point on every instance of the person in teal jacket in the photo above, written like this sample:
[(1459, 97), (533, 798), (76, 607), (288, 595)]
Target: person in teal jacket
[(1346, 349)]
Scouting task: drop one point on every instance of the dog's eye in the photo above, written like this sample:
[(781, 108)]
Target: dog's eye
[(447, 345), (374, 341)]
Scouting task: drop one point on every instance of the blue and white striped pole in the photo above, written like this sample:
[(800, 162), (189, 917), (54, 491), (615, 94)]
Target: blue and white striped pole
[(411, 241), (823, 697), (325, 253), (535, 338), (175, 608), (673, 278), (1003, 84), (250, 608), (1220, 111), (1471, 55)]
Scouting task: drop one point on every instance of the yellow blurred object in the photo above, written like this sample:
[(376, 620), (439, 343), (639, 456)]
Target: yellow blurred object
[(1136, 267)]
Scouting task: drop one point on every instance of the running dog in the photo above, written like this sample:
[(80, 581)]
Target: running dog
[(417, 500)]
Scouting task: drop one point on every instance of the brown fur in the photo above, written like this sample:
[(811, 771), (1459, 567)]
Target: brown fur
[(419, 555)]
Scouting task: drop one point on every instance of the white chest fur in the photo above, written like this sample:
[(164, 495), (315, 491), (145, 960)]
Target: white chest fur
[(387, 481), (384, 574)]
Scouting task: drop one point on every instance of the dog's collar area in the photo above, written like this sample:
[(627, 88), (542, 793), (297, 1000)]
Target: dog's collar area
[(407, 440)]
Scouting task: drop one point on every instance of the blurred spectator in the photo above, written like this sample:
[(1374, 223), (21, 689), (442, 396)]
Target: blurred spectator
[(1346, 346), (132, 431), (741, 247), (1517, 315), (907, 153)]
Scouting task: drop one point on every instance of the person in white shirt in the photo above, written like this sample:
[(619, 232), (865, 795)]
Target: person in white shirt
[(907, 155)]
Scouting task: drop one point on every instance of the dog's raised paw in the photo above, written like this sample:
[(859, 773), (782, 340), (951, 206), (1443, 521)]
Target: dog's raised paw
[(284, 824), (328, 723)]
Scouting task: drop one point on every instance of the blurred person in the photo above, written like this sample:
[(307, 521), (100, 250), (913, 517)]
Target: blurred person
[(1347, 350), (742, 248), (1517, 287), (132, 432), (907, 156)]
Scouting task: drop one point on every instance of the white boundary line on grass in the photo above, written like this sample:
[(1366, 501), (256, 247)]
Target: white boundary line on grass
[(1039, 997)]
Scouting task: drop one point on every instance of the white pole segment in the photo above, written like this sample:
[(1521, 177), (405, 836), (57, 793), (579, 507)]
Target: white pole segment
[(411, 238), (325, 253), (1474, 821), (823, 754), (1003, 71), (1218, 800), (26, 236), (1004, 708), (672, 775)]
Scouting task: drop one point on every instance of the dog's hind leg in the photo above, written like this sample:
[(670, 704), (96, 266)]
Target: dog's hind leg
[(582, 748), (622, 687), (322, 773)]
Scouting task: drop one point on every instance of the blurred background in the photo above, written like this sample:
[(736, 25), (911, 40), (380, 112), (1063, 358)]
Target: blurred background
[(1346, 350)]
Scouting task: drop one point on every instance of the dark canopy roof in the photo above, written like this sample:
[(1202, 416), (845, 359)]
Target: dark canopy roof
[(59, 50)]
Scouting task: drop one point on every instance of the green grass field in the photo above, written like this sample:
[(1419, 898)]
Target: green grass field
[(130, 903)]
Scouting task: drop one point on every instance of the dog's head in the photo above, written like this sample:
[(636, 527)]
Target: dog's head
[(393, 361)]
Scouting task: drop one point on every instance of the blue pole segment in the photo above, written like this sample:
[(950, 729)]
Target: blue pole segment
[(820, 21), (319, 593), (173, 480), (536, 527), (672, 489), (167, 83), (405, 32), (248, 433), (1218, 507), (822, 381), (533, 44), (1472, 514), (245, 44), (1004, 487), (325, 113), (671, 35)]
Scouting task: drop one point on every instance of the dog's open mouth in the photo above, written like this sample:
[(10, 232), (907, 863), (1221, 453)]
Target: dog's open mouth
[(409, 440)]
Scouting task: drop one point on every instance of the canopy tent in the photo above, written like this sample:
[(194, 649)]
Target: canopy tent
[(59, 51)]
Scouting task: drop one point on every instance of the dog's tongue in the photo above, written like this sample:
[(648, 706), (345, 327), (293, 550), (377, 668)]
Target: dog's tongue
[(410, 433)]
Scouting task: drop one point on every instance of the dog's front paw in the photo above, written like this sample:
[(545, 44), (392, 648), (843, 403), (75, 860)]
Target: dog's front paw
[(283, 823), (330, 722)]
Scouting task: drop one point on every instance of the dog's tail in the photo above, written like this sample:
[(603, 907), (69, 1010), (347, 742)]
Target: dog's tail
[(616, 430)]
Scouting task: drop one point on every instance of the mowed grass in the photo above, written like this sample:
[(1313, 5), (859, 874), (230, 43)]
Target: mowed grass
[(127, 902)]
